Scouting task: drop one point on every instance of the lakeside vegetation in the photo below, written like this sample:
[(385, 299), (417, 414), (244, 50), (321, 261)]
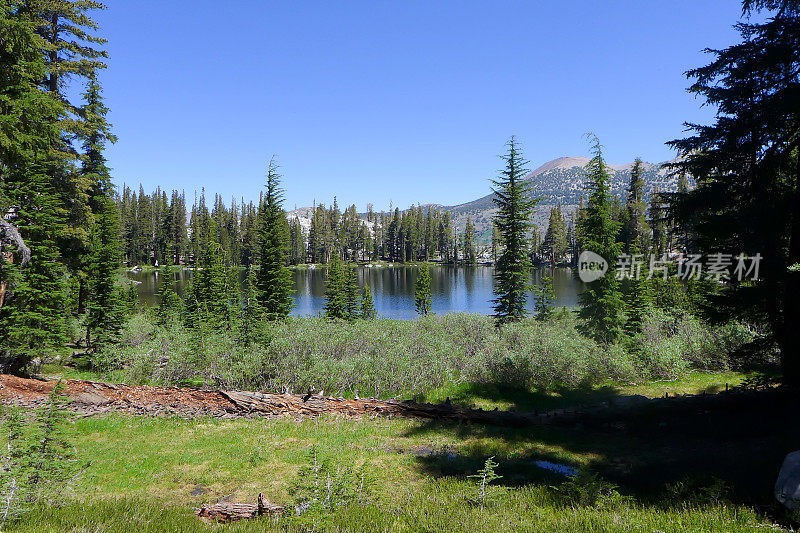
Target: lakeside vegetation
[(394, 358)]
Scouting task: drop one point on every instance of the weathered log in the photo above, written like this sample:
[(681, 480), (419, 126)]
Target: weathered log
[(95, 397), (231, 512)]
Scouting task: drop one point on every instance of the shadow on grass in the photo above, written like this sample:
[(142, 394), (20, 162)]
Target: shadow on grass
[(740, 438), (490, 395)]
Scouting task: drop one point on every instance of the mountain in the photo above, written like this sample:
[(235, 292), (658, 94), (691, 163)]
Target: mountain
[(560, 181)]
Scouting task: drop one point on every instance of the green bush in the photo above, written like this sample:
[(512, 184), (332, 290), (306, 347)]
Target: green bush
[(407, 358), (670, 343)]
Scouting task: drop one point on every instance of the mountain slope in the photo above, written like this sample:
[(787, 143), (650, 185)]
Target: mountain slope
[(557, 182), (560, 182)]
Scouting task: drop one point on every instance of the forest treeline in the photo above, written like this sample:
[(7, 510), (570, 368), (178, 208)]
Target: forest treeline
[(158, 227)]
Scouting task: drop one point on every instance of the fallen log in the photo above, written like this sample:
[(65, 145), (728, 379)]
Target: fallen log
[(91, 397), (231, 512)]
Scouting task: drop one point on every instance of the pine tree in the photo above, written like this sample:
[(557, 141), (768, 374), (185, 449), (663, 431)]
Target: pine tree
[(351, 292), (422, 291), (636, 230), (556, 242), (545, 296), (274, 278), (168, 299), (71, 51), (105, 312), (105, 309), (207, 294), (51, 455), (470, 254), (250, 314), (32, 315), (367, 307), (602, 306), (496, 242), (747, 169), (512, 220), (636, 290), (335, 289)]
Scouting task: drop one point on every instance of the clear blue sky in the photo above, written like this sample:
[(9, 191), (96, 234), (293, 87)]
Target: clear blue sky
[(402, 101)]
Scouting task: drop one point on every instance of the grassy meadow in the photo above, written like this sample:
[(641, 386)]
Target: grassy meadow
[(410, 476)]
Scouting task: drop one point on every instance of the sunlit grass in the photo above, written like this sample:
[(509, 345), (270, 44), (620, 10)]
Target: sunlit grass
[(147, 474)]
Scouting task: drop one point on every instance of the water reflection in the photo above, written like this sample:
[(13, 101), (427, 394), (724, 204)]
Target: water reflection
[(463, 289)]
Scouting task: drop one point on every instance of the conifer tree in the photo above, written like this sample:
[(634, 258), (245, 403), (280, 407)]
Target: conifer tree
[(72, 52), (367, 307), (545, 296), (747, 169), (635, 288), (105, 312), (32, 314), (636, 230), (512, 220), (168, 299), (470, 254), (51, 454), (335, 289), (422, 291), (496, 242), (250, 311), (207, 294), (351, 292), (601, 311), (556, 241), (274, 278)]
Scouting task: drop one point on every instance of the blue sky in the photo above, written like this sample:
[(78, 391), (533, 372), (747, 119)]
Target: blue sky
[(401, 101)]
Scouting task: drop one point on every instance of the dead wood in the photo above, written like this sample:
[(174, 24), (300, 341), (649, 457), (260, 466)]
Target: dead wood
[(9, 234), (231, 512), (91, 397)]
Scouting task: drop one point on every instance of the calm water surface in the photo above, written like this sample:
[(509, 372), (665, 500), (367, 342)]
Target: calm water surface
[(454, 289)]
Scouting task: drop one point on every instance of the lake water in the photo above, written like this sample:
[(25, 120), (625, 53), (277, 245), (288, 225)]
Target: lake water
[(459, 289)]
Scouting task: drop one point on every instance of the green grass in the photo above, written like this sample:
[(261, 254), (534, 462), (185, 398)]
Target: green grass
[(491, 396), (55, 371), (439, 510), (143, 472)]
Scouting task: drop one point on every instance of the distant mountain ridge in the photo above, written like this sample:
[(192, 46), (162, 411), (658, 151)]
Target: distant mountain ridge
[(557, 182)]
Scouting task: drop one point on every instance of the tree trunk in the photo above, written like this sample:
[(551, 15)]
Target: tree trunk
[(789, 337)]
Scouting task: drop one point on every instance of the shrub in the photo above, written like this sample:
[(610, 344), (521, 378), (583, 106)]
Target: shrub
[(39, 464), (588, 489), (391, 358)]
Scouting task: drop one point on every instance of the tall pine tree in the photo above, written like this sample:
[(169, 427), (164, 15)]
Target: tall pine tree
[(274, 279), (512, 273), (336, 289), (747, 169), (602, 306), (32, 315)]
